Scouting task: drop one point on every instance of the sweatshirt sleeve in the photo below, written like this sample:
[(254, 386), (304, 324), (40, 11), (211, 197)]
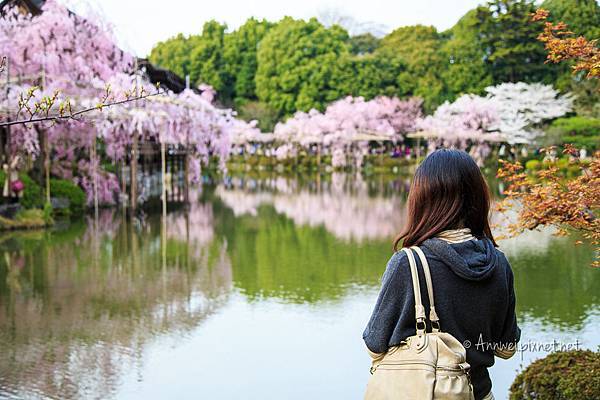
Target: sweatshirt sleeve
[(511, 333), (389, 306)]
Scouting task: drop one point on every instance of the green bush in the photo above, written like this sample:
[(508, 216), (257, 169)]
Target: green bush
[(532, 165), (579, 131), (70, 191), (33, 195), (573, 375)]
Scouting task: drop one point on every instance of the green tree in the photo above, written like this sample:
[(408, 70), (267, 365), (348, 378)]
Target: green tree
[(298, 65), (372, 75), (364, 43), (509, 40), (466, 70), (174, 54), (261, 112), (239, 56), (419, 47), (207, 62), (582, 16)]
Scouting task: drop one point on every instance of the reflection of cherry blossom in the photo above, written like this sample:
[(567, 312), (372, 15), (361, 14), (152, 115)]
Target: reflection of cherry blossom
[(196, 225), (344, 207), (115, 294)]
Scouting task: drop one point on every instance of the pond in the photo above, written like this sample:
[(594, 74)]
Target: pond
[(260, 290)]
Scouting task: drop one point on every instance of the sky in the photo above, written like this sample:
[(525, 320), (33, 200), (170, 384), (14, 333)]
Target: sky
[(139, 24)]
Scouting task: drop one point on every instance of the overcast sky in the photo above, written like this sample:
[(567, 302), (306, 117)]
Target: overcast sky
[(139, 24)]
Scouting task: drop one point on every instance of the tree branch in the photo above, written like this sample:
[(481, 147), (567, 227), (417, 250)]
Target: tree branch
[(62, 117)]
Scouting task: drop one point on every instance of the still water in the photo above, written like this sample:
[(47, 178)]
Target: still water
[(260, 290)]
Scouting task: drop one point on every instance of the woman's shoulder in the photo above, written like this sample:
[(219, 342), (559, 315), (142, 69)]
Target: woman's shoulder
[(397, 266)]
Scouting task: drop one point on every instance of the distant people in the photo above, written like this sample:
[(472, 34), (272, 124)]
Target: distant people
[(502, 151), (550, 156), (524, 152), (13, 186), (583, 153)]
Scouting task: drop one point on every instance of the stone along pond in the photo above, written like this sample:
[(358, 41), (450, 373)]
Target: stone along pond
[(260, 290)]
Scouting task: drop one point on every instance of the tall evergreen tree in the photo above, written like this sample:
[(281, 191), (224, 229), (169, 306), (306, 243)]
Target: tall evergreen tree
[(508, 37)]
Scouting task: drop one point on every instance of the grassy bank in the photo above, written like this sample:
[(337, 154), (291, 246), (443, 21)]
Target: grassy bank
[(27, 219)]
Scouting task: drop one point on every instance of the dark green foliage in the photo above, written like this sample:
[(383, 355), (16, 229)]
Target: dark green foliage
[(572, 375), (261, 112), (579, 131), (299, 65), (293, 65), (508, 38), (70, 191), (239, 56), (372, 75), (364, 43), (582, 18), (466, 70), (33, 195), (207, 64), (419, 47), (174, 54)]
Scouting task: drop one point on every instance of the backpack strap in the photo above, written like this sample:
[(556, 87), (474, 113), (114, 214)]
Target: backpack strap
[(433, 317), (419, 309)]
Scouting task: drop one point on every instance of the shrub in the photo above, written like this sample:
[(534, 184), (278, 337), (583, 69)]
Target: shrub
[(33, 195), (573, 375), (262, 112), (579, 131), (70, 191), (532, 165)]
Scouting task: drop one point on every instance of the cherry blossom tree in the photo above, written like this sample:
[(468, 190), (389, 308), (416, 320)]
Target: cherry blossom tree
[(347, 123), (465, 123), (60, 58), (523, 106), (511, 112)]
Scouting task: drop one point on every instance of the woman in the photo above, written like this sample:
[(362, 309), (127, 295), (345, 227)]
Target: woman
[(448, 210)]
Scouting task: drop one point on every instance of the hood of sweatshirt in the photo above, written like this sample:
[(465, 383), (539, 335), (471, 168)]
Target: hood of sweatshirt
[(473, 260)]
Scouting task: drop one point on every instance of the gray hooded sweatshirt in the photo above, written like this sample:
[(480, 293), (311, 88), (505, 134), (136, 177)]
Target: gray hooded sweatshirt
[(474, 299)]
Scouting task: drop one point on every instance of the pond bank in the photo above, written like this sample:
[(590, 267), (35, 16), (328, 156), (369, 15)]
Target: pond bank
[(27, 219)]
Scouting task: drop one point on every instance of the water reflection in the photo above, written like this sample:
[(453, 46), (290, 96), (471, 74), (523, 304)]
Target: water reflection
[(78, 305), (84, 305), (347, 206), (312, 241)]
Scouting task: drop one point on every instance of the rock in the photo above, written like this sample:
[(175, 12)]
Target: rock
[(59, 203), (9, 210)]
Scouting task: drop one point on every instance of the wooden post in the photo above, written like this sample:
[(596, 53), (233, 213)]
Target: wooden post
[(133, 167), (6, 149), (94, 157), (134, 151), (46, 149), (123, 183), (163, 178)]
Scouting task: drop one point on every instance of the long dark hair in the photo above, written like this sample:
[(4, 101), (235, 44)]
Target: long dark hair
[(448, 191)]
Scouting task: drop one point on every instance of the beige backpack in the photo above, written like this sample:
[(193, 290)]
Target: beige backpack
[(427, 366)]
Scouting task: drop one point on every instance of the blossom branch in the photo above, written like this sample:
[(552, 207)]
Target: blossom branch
[(65, 107)]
